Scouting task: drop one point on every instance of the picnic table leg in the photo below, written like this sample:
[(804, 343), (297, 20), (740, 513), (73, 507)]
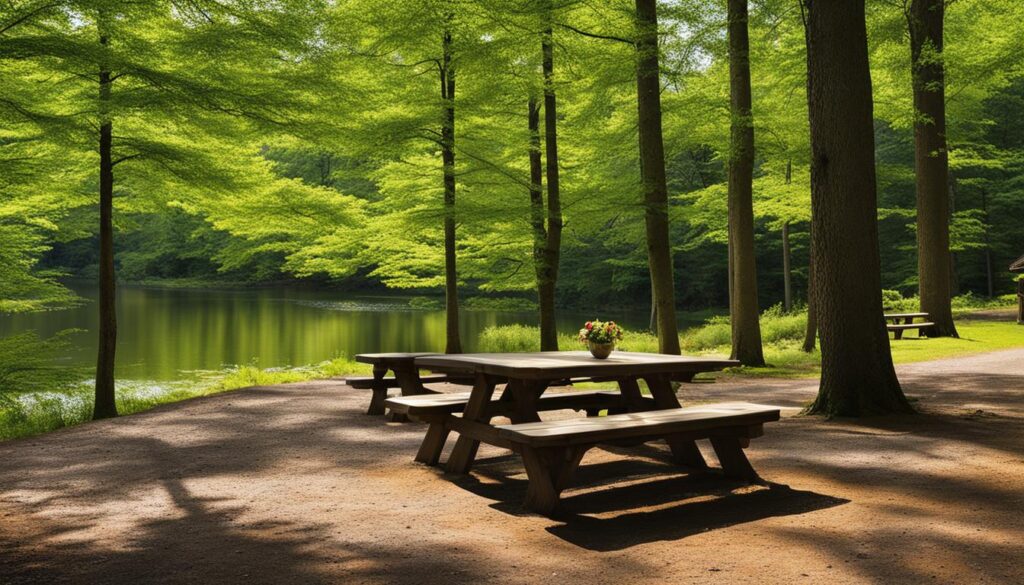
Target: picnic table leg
[(549, 471), (380, 391), (734, 462), (683, 451), (461, 459), (524, 396), (433, 443), (631, 395), (541, 495), (408, 378)]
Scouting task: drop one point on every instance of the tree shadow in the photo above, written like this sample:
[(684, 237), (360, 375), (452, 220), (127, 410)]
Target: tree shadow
[(616, 504)]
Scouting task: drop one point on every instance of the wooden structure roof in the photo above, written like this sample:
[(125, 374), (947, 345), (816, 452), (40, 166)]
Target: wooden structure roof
[(1018, 265)]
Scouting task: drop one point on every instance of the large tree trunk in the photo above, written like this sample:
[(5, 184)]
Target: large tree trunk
[(453, 343), (743, 310), (857, 374), (652, 175), (553, 245), (931, 162), (105, 405)]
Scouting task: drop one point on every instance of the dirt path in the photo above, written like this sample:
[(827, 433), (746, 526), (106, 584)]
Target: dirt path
[(293, 484)]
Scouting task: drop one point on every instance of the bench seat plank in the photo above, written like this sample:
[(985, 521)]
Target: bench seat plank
[(655, 423), (368, 382), (454, 402), (897, 330), (551, 451), (903, 326)]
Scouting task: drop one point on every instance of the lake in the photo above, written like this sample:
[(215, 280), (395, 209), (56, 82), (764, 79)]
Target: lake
[(167, 333)]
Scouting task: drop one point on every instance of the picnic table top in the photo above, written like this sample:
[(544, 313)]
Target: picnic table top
[(387, 358), (895, 315), (552, 365)]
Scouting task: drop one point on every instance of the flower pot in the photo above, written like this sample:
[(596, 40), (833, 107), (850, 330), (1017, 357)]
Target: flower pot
[(600, 350)]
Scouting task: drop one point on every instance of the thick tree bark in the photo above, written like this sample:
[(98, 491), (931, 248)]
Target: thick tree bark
[(857, 374), (553, 244), (105, 405), (652, 176), (453, 343), (931, 162), (744, 311)]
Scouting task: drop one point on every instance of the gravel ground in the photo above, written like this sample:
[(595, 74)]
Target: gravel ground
[(293, 484)]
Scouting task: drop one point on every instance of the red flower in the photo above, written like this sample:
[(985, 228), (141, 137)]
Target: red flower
[(589, 325)]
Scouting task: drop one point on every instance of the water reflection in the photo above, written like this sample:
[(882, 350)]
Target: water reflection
[(162, 332)]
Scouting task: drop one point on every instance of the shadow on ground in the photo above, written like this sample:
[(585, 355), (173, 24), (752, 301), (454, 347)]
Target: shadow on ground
[(620, 503)]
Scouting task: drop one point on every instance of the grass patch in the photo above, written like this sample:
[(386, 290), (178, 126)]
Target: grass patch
[(783, 335), (40, 412)]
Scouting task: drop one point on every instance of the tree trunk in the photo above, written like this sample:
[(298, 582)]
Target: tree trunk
[(744, 310), (857, 374), (652, 175), (811, 333), (787, 280), (553, 245), (931, 162), (105, 405), (545, 293), (653, 326), (989, 273), (787, 256), (453, 343)]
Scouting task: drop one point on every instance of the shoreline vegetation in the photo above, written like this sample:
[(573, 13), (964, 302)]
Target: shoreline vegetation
[(40, 409)]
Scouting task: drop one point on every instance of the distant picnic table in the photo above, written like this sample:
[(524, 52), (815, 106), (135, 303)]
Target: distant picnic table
[(902, 322), (551, 450)]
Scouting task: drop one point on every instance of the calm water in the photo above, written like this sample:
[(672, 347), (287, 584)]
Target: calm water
[(165, 333)]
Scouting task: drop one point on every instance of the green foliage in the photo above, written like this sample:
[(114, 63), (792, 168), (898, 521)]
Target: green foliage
[(63, 401), (29, 364), (499, 304)]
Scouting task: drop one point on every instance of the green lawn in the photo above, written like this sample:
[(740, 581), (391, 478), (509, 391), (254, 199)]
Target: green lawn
[(786, 360)]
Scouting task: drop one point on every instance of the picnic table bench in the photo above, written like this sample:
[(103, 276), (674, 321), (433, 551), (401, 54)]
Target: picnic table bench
[(552, 451), (435, 410), (897, 327)]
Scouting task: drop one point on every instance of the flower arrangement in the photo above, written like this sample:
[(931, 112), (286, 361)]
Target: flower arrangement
[(600, 337)]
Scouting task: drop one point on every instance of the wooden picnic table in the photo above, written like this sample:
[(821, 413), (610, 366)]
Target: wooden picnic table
[(406, 373), (907, 318), (528, 375)]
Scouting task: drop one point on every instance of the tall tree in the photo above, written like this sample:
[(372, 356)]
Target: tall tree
[(743, 307), (139, 89), (453, 343), (857, 374), (652, 175), (546, 219), (931, 164), (105, 405)]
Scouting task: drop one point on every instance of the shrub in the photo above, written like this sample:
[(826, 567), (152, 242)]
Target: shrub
[(499, 304), (425, 303)]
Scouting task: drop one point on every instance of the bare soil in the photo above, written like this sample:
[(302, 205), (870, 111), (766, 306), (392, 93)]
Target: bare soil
[(294, 484)]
